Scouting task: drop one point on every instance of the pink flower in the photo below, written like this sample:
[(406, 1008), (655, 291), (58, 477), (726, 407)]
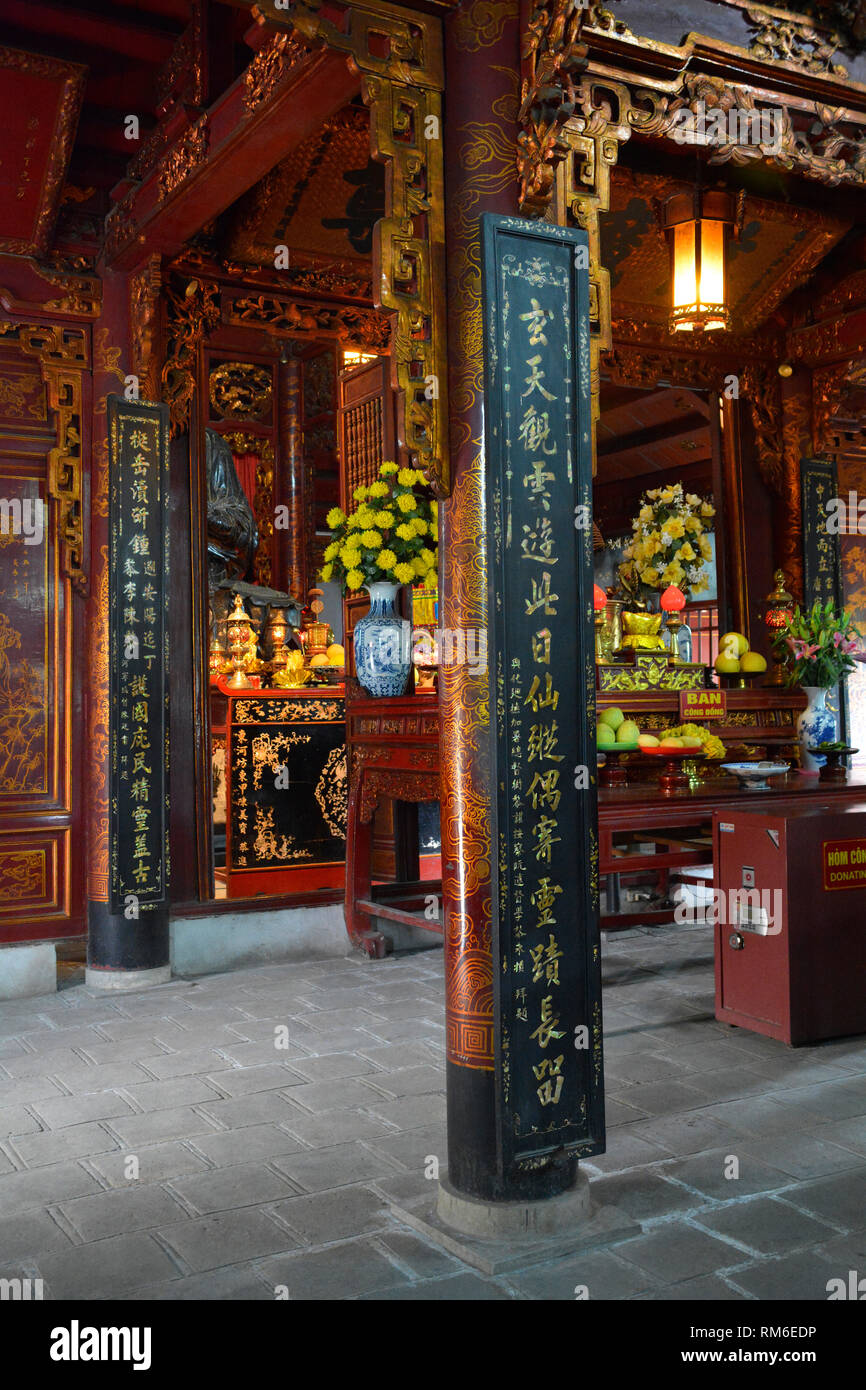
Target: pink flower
[(850, 646), (838, 639)]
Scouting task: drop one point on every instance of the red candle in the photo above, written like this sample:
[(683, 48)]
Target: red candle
[(673, 599)]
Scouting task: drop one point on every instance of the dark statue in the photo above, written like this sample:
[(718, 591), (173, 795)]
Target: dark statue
[(232, 533)]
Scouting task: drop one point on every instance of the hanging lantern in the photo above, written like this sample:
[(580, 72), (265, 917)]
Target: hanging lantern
[(698, 224)]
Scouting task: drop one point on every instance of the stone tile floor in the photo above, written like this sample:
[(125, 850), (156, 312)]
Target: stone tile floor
[(220, 1137)]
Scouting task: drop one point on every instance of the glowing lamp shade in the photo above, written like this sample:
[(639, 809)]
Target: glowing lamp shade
[(673, 600), (697, 225), (599, 598)]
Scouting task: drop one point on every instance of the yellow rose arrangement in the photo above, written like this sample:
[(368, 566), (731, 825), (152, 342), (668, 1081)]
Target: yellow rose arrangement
[(669, 544), (390, 535)]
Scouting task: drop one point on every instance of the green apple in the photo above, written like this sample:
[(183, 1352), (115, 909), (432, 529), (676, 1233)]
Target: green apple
[(628, 732), (612, 717)]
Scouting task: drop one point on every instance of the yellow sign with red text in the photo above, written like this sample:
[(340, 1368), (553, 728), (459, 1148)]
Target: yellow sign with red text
[(703, 704)]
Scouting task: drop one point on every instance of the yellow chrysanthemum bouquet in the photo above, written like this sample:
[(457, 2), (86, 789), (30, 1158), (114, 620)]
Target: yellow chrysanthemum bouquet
[(390, 536), (669, 543)]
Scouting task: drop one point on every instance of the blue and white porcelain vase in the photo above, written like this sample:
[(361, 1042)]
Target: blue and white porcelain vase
[(383, 644), (815, 725)]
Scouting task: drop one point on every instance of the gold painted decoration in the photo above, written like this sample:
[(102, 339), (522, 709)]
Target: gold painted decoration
[(270, 66), (240, 390), (193, 313), (332, 792), (22, 875), (184, 157)]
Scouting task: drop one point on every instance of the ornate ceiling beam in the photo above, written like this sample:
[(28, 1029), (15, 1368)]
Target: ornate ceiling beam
[(281, 98), (399, 54)]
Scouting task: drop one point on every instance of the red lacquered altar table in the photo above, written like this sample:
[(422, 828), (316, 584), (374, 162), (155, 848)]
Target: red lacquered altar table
[(393, 751), (679, 827)]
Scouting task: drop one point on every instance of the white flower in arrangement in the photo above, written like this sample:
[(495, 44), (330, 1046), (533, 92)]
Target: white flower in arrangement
[(666, 537)]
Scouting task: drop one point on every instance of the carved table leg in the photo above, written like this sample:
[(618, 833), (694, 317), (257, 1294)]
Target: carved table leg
[(359, 837)]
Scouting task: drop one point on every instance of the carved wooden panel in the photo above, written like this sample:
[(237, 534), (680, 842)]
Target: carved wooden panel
[(365, 425), (38, 765)]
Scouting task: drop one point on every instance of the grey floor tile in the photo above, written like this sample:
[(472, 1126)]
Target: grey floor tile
[(27, 1191), (643, 1195), (115, 1213), (155, 1163), (343, 1271), (15, 1119), (77, 1110), (25, 1091), (182, 1123), (840, 1199), (29, 1235), (222, 1189), (335, 1066), (244, 1081), (597, 1274), (707, 1288), (259, 1107), (88, 1077), (334, 1167), (53, 1146), (106, 1268), (245, 1145), (410, 1081), (420, 1258), (791, 1278), (462, 1288), (765, 1226), (237, 1284), (200, 1062), (343, 1093), (713, 1175), (410, 1112), (334, 1127), (166, 1095), (678, 1251), (806, 1155), (337, 1215), (226, 1238)]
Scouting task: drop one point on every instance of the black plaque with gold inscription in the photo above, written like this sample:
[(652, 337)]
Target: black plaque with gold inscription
[(544, 843), (822, 555), (138, 655)]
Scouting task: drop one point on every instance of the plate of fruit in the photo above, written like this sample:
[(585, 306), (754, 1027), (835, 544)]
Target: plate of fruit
[(616, 734), (736, 662)]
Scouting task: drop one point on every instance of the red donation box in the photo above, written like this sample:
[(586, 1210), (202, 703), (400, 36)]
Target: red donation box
[(790, 935)]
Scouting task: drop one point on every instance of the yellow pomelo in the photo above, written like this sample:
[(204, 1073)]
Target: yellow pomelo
[(319, 659), (752, 661), (733, 644), (628, 732), (335, 654), (727, 665)]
